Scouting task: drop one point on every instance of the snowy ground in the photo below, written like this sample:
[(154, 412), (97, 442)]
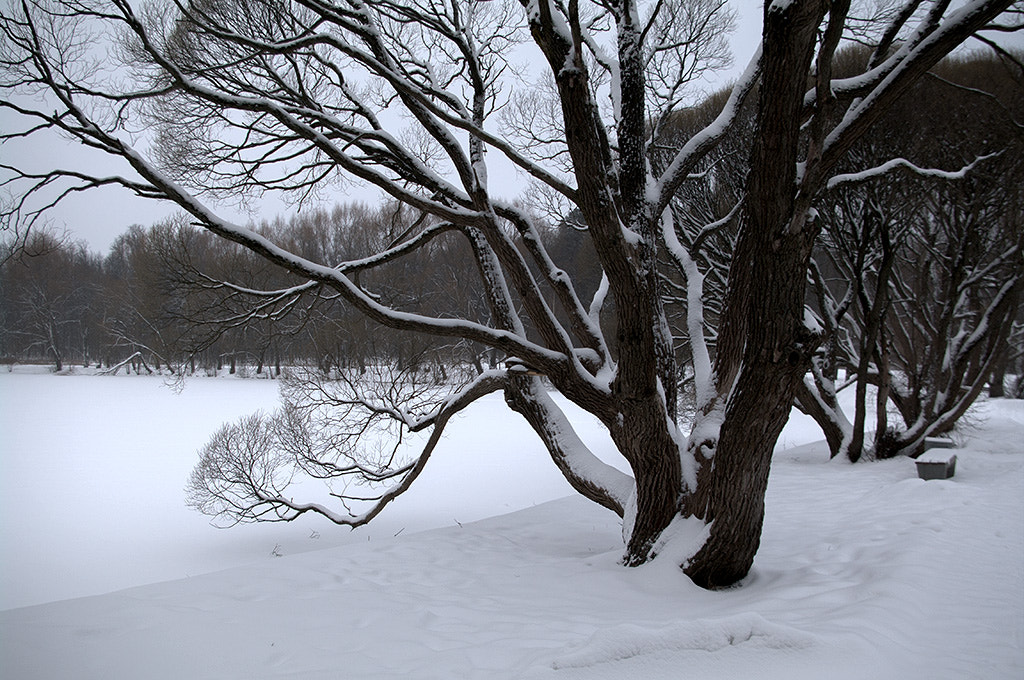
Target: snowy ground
[(864, 571), (94, 469)]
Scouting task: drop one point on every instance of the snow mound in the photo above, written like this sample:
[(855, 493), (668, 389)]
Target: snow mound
[(627, 640)]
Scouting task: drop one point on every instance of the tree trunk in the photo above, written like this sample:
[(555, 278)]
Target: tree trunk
[(657, 471), (821, 405), (856, 447), (882, 440), (996, 383), (764, 346), (774, 361), (58, 359)]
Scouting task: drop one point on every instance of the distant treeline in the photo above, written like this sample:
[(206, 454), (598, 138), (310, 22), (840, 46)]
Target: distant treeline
[(171, 297)]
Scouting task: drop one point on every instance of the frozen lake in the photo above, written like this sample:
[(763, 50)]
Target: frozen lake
[(93, 470)]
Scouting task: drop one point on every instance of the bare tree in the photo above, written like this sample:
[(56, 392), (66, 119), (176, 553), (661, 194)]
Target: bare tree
[(952, 313), (918, 276), (271, 95), (47, 292)]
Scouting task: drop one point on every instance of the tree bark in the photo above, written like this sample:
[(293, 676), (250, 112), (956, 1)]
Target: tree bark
[(764, 346), (654, 458), (822, 407), (996, 383)]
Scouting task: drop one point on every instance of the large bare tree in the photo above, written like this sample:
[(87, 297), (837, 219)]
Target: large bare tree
[(218, 98)]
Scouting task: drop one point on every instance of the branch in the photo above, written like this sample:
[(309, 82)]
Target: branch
[(594, 479), (903, 164), (244, 470), (704, 141), (932, 41)]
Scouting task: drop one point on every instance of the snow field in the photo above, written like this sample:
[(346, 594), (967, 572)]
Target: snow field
[(864, 572), (94, 469)]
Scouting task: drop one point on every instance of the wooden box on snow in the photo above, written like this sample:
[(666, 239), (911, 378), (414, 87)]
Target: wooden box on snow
[(936, 464)]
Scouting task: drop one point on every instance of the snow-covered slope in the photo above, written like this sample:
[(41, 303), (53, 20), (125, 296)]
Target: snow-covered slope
[(864, 572)]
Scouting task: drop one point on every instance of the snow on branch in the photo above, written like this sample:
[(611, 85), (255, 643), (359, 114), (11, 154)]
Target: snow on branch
[(903, 164), (661, 192), (275, 116), (584, 471), (932, 39), (702, 365), (136, 357)]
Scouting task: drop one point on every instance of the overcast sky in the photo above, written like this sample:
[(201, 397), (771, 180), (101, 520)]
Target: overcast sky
[(100, 215)]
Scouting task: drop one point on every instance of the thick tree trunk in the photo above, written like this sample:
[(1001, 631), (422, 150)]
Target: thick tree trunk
[(657, 469), (764, 345), (774, 360)]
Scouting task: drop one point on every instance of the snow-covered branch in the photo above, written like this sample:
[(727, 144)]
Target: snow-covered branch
[(662, 191), (896, 164)]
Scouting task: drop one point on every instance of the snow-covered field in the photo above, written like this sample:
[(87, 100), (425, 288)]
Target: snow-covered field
[(93, 471), (864, 571)]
